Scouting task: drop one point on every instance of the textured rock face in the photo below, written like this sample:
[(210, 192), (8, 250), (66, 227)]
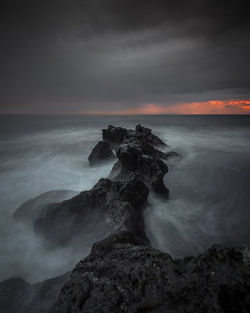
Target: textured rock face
[(146, 134), (119, 134), (101, 152), (114, 134), (31, 209), (17, 296), (151, 169), (123, 275), (137, 154), (114, 205)]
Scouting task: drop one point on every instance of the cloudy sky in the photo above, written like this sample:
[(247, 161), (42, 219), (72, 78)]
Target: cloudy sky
[(124, 56)]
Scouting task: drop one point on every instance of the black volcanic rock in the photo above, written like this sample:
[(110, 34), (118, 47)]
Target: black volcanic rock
[(31, 209), (100, 152), (137, 154), (147, 135), (114, 134), (18, 296), (119, 134), (108, 206), (122, 274), (150, 169)]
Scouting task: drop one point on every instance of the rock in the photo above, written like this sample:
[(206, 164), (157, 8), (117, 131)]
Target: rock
[(172, 154), (146, 134), (122, 274), (108, 206), (31, 209), (114, 134), (140, 159), (119, 134), (13, 293), (16, 295), (101, 152), (137, 154)]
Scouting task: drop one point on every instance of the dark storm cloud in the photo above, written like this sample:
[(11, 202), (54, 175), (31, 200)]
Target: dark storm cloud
[(67, 56)]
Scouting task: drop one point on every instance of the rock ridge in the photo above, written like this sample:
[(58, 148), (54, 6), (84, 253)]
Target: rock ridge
[(123, 273)]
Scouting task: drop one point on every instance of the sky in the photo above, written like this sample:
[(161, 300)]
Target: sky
[(124, 57)]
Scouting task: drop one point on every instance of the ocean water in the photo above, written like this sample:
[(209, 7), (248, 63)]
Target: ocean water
[(209, 185)]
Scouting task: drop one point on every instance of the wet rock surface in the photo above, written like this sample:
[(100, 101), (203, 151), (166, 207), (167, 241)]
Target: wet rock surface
[(119, 134), (109, 205), (31, 209), (115, 134), (122, 274), (101, 152), (137, 154)]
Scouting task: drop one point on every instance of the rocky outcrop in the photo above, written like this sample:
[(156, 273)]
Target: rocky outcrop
[(132, 160), (112, 201), (18, 296), (122, 274), (145, 134), (100, 152), (31, 209), (108, 206), (115, 134), (137, 154), (119, 134)]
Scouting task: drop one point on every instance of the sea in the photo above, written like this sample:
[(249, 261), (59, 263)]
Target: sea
[(209, 183)]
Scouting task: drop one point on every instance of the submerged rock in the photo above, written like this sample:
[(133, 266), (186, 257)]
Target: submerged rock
[(108, 206), (122, 274), (31, 209), (101, 152)]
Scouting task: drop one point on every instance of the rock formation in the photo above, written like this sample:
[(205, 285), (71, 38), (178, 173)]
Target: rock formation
[(139, 163), (18, 296), (123, 273), (31, 209), (136, 153), (119, 134), (116, 204), (100, 152)]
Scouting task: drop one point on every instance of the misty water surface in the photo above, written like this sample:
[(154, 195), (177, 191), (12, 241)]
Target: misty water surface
[(209, 185)]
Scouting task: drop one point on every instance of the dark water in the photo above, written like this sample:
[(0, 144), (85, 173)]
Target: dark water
[(209, 187)]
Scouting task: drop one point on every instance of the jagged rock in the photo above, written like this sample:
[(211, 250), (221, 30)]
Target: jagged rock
[(146, 134), (143, 146), (31, 209), (119, 134), (114, 134), (123, 275), (136, 159), (108, 206), (18, 296), (100, 152), (137, 154)]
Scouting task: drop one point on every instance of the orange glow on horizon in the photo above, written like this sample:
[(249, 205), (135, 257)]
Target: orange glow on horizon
[(204, 107)]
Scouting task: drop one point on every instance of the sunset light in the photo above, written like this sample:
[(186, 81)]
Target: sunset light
[(204, 107)]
